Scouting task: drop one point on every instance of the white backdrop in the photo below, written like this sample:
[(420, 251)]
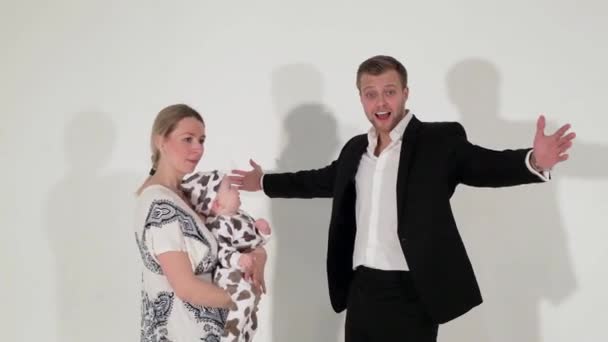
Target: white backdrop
[(81, 82)]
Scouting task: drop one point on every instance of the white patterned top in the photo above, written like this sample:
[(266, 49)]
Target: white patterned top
[(164, 222)]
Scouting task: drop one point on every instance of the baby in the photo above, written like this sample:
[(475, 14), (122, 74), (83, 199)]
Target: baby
[(236, 232)]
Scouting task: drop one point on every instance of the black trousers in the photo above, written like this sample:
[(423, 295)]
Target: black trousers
[(384, 306)]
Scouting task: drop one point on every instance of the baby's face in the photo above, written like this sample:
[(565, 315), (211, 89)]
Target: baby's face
[(228, 197)]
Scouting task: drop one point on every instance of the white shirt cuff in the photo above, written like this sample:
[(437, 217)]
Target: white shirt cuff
[(262, 182), (545, 175)]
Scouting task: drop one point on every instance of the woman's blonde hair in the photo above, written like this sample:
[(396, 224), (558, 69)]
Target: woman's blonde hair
[(164, 124)]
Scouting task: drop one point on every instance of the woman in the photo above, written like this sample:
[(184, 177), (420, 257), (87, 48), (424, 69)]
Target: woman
[(179, 300)]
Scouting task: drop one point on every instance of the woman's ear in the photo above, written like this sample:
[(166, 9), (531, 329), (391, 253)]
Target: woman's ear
[(158, 142)]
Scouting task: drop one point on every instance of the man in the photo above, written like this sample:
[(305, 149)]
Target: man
[(395, 259)]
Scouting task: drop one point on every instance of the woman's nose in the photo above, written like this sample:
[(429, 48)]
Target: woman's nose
[(198, 148)]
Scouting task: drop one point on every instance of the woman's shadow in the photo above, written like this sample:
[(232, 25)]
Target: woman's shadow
[(515, 236), (301, 309), (89, 218)]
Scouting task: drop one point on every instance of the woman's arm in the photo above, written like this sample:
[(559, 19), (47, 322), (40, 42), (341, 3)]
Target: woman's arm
[(178, 270)]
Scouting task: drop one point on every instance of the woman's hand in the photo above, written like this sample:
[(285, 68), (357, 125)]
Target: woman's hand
[(246, 263), (257, 270), (259, 265), (253, 264)]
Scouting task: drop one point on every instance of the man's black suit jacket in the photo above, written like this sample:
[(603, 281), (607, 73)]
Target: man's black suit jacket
[(434, 159)]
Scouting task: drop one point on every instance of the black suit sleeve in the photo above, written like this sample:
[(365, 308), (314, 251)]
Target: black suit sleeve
[(301, 184), (482, 167)]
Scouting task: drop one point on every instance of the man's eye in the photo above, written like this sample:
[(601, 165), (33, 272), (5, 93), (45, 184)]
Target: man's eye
[(390, 92), (370, 95)]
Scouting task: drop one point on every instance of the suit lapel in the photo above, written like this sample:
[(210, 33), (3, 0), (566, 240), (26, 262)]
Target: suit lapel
[(405, 161)]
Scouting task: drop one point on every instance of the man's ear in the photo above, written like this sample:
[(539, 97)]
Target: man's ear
[(406, 92)]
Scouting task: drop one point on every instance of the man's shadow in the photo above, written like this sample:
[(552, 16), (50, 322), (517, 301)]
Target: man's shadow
[(301, 307), (515, 236), (89, 226)]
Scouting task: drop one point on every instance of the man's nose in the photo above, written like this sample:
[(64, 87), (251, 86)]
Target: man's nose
[(382, 101)]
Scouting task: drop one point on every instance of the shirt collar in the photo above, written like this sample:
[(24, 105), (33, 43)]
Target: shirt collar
[(396, 133)]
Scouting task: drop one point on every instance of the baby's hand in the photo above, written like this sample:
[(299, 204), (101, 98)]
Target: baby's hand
[(263, 226)]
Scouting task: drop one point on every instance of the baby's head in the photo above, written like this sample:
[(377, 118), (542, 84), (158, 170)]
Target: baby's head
[(223, 198), (227, 201)]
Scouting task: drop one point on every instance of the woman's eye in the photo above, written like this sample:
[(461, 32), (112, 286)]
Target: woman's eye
[(188, 139)]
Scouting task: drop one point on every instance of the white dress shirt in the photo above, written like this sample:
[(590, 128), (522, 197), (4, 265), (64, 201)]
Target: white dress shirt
[(376, 242)]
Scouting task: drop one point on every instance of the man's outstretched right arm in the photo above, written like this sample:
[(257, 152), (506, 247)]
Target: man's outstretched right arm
[(300, 184)]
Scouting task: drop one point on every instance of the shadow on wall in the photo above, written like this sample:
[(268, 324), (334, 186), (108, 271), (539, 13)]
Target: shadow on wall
[(89, 218), (515, 236), (302, 310)]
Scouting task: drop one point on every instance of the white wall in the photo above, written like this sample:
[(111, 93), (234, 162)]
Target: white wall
[(81, 82)]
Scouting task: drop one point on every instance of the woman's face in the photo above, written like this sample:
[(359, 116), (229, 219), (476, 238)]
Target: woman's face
[(184, 147)]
